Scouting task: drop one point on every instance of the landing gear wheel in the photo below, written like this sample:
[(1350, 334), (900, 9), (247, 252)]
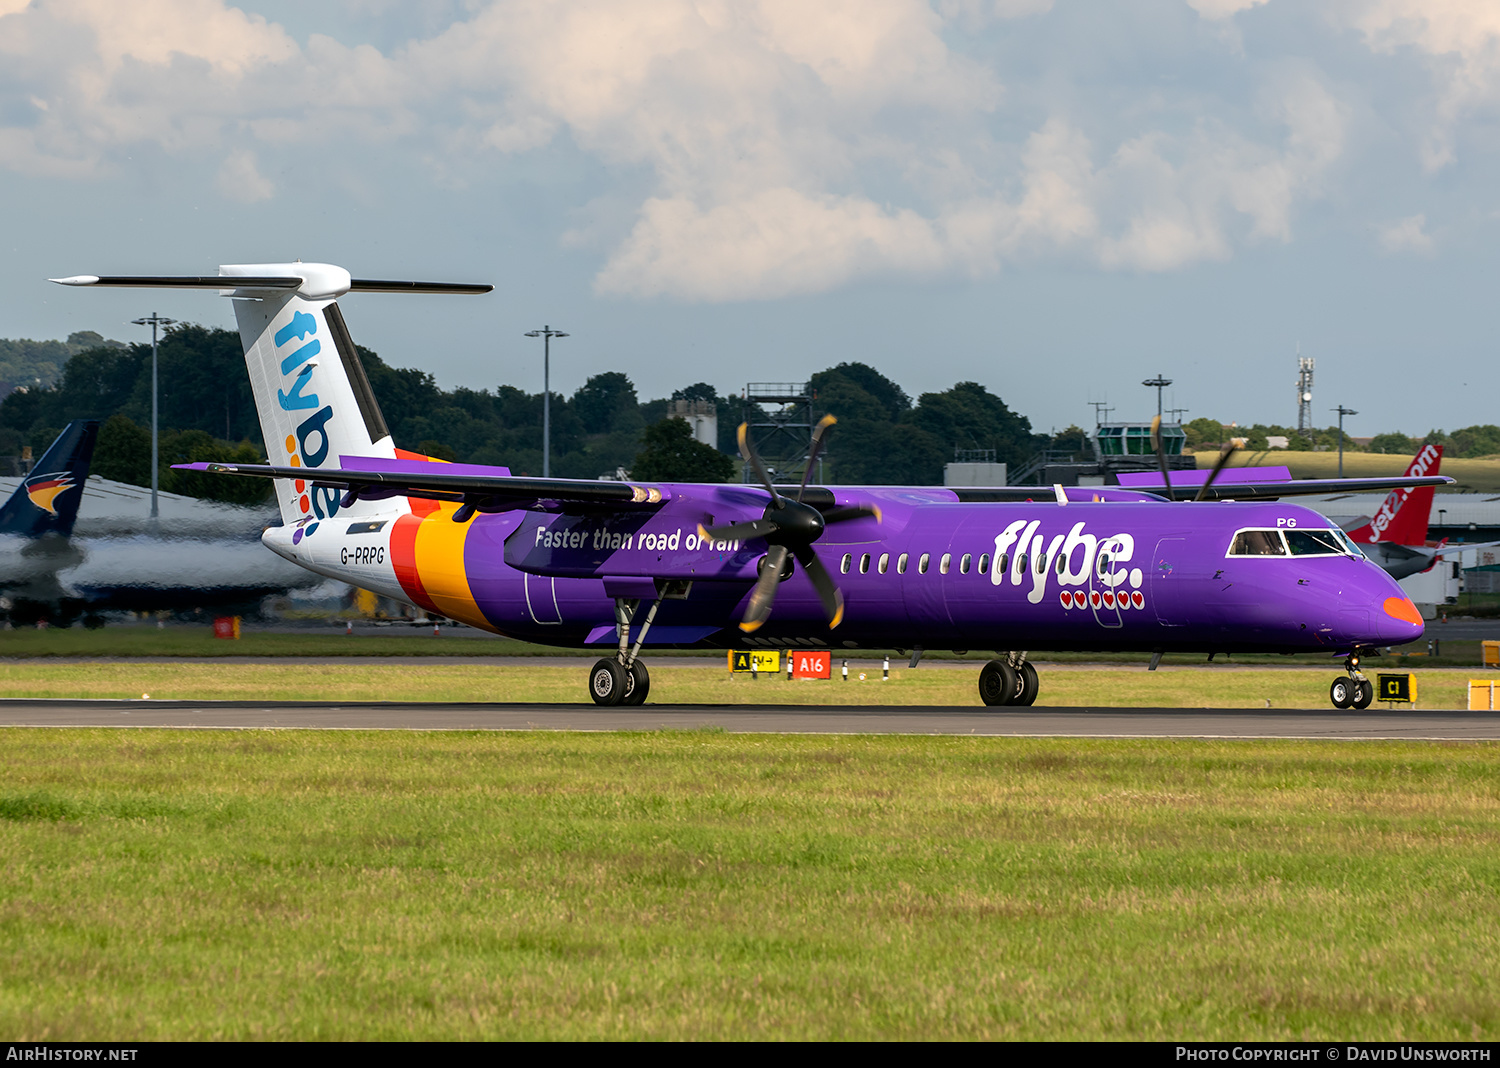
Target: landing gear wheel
[(1341, 693), (1027, 686), (607, 682), (1364, 695), (637, 684), (997, 683)]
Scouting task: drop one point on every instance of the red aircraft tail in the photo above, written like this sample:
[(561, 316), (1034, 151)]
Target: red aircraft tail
[(1404, 514)]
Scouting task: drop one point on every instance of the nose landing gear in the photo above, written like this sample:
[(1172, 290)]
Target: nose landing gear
[(1011, 681), (1356, 691)]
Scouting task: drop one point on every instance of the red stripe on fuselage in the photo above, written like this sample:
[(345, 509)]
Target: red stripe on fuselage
[(404, 540), (404, 552)]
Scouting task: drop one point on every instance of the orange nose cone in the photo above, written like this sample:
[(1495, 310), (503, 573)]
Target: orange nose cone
[(1401, 608)]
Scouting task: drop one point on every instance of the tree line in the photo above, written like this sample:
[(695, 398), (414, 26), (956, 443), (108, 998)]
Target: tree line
[(207, 412)]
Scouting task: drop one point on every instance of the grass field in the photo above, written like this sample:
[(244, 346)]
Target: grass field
[(1198, 686), (1479, 476), (687, 885)]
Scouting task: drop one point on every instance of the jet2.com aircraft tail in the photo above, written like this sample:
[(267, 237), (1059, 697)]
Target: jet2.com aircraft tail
[(46, 501), (1405, 512), (314, 400)]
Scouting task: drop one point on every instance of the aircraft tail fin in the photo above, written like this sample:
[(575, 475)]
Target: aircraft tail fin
[(46, 501), (1404, 514), (314, 400)]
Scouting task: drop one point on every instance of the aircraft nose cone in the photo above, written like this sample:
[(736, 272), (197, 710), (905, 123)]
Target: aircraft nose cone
[(1398, 621)]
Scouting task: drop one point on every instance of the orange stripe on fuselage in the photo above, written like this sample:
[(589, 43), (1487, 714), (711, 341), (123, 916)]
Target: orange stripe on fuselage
[(427, 554), (439, 551)]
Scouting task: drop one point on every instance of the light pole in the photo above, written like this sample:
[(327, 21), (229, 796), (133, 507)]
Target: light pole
[(1342, 412), (153, 321), (546, 333), (1158, 383)]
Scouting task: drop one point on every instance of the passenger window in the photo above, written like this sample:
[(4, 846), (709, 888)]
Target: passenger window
[(946, 563), (963, 565), (1062, 562), (844, 564), (885, 562), (864, 564), (1041, 564), (984, 564), (901, 564), (1103, 568), (1258, 543), (1314, 543), (1021, 562), (923, 562)]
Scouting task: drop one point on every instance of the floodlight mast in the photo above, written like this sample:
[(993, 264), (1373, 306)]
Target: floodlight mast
[(1342, 412), (546, 333), (153, 320)]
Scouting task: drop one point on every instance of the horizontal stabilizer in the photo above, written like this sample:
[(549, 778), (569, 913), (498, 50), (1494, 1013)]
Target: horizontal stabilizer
[(313, 280), (154, 281)]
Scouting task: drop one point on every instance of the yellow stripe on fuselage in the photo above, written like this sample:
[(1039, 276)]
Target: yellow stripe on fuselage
[(439, 552)]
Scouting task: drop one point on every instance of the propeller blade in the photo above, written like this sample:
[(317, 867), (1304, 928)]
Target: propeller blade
[(828, 593), (1161, 454), (764, 594), (748, 452), (757, 528), (812, 453), (1224, 454), (853, 511)]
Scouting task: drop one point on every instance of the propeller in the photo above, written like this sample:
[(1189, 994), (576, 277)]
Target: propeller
[(1161, 454), (1225, 452), (789, 527)]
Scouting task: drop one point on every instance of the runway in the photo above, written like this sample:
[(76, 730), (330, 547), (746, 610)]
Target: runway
[(782, 719)]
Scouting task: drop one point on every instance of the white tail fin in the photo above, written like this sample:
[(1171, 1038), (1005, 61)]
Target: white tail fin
[(314, 401)]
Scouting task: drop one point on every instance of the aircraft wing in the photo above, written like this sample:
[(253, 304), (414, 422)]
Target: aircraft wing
[(1301, 487), (481, 493)]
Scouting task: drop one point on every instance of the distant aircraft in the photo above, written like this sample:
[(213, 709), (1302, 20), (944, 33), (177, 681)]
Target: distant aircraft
[(578, 563), (1396, 537), (36, 523), (50, 571)]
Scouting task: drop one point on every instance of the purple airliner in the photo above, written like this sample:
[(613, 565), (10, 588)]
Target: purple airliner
[(620, 567)]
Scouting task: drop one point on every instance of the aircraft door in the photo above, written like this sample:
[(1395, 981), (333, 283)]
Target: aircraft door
[(541, 599), (1167, 581)]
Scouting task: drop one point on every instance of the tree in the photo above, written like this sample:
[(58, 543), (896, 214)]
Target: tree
[(968, 416), (671, 454), (1395, 443), (606, 403), (123, 452)]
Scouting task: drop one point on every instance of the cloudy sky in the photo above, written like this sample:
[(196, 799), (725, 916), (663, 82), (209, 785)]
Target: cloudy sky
[(1054, 198)]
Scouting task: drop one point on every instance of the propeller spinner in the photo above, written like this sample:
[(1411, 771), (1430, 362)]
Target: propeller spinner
[(789, 528)]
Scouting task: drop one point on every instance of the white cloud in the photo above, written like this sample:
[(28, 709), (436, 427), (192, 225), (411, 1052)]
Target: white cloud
[(240, 179), (1407, 235), (1461, 39), (1222, 9), (775, 147)]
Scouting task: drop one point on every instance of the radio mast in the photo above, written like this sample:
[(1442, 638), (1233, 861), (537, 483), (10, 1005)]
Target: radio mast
[(1304, 394)]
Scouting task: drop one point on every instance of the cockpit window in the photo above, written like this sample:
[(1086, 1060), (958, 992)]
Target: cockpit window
[(1314, 543), (1258, 543), (1303, 542)]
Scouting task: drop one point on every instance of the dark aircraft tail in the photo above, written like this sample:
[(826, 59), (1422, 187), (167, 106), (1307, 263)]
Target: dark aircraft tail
[(46, 501)]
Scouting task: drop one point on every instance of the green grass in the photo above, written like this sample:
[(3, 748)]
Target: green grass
[(1193, 686), (684, 885)]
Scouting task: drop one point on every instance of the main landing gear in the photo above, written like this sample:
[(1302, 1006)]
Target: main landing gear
[(622, 679), (1011, 681), (1355, 691)]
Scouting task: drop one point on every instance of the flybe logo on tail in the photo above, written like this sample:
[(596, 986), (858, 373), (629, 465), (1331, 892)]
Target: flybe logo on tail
[(44, 489), (307, 445)]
